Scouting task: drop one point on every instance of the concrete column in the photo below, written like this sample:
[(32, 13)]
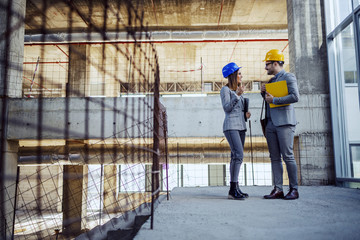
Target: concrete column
[(110, 189), (308, 61), (8, 187), (11, 59), (60, 188), (148, 170), (77, 85), (85, 183), (12, 48), (73, 199)]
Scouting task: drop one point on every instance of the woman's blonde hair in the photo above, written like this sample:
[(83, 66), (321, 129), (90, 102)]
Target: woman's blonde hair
[(232, 80)]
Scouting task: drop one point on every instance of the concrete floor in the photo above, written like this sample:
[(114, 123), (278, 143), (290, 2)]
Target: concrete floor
[(321, 212)]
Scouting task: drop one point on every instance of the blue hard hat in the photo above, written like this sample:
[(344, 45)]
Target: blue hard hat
[(229, 69)]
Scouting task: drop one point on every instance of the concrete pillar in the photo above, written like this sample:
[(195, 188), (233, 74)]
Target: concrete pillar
[(60, 188), (8, 187), (11, 59), (74, 199), (308, 61), (85, 184), (77, 85), (148, 171), (12, 48), (110, 188)]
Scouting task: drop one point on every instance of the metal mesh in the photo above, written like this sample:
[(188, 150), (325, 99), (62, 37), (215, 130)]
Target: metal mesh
[(95, 166)]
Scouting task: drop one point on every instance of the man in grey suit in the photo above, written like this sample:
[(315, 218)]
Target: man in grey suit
[(280, 127)]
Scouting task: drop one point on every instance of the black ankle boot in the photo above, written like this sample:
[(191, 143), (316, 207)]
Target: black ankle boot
[(233, 193), (239, 190)]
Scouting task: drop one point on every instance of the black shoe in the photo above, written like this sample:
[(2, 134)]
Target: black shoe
[(275, 194), (233, 193), (292, 194), (239, 190)]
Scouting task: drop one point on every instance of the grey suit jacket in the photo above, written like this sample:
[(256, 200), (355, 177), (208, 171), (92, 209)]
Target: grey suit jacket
[(233, 106), (285, 115)]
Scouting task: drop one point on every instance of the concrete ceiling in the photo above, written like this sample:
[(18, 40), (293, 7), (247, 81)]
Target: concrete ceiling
[(159, 15)]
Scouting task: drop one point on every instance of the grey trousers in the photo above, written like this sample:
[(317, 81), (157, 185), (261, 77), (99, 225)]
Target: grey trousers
[(236, 140), (280, 142)]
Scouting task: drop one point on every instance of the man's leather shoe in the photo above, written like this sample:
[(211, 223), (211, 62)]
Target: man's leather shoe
[(275, 194), (292, 194)]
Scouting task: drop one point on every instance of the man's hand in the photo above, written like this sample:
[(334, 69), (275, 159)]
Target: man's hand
[(248, 115), (263, 88), (269, 98)]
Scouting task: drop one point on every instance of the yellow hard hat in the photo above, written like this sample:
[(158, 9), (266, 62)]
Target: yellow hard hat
[(274, 55)]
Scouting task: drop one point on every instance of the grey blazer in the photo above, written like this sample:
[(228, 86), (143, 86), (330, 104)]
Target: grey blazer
[(285, 115), (233, 106)]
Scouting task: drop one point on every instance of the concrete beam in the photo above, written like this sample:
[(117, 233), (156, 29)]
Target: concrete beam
[(96, 118), (206, 115), (79, 118)]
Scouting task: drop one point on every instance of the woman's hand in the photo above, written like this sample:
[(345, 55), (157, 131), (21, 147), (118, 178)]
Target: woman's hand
[(240, 90), (248, 115)]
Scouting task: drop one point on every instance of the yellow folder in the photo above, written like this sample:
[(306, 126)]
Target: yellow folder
[(277, 89)]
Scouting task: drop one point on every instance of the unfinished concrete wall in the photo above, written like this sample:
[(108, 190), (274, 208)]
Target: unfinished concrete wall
[(316, 159)]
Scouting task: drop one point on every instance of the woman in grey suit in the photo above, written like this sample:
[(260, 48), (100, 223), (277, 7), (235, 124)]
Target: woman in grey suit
[(234, 127)]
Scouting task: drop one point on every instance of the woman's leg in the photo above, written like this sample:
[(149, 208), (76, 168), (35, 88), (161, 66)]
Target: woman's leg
[(242, 137), (235, 139)]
